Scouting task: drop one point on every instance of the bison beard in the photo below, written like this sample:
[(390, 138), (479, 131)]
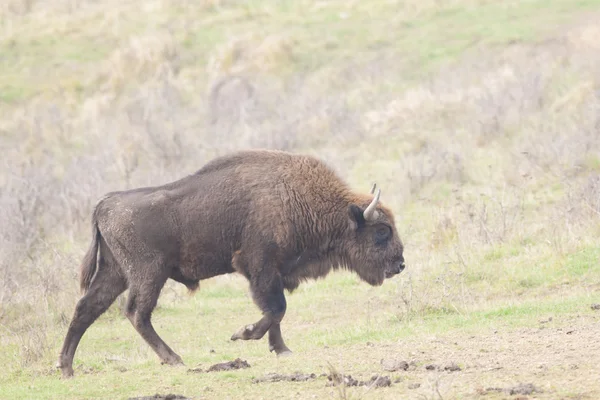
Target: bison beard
[(275, 217)]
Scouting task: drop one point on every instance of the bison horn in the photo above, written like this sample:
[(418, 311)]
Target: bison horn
[(373, 188), (369, 214)]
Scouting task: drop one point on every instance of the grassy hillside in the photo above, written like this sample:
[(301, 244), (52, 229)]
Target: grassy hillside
[(478, 119)]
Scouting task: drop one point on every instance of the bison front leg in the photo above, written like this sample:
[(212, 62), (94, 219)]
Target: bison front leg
[(276, 342), (267, 293)]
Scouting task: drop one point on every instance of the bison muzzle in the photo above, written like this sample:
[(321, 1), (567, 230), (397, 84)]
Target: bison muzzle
[(276, 218)]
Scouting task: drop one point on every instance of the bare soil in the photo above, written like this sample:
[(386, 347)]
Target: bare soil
[(161, 397), (556, 359), (295, 377), (348, 380), (238, 363)]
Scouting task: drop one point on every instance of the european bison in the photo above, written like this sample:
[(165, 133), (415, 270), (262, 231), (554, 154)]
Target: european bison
[(276, 218)]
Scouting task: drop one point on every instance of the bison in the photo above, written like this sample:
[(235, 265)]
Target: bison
[(275, 217)]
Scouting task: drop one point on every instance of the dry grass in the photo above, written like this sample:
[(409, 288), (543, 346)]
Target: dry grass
[(485, 141)]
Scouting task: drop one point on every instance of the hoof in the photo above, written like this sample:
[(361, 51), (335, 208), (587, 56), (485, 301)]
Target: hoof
[(175, 361), (66, 372), (243, 333), (285, 353), (280, 350)]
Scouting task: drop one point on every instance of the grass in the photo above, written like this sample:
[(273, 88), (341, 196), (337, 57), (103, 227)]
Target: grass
[(422, 36), (118, 363), (476, 118)]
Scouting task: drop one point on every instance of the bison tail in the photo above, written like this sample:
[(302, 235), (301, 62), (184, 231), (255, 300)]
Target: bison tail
[(89, 265)]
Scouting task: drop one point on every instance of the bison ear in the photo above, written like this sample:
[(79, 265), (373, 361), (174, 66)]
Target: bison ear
[(357, 215)]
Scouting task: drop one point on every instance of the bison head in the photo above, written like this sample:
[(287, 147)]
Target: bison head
[(373, 248)]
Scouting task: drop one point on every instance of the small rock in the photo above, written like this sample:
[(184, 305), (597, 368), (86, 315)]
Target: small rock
[(392, 365), (274, 377), (347, 380), (238, 363), (414, 386), (595, 307), (524, 389), (339, 379), (160, 397), (431, 367), (380, 381), (452, 367)]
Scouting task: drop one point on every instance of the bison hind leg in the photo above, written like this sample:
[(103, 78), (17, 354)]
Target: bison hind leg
[(103, 291), (143, 297)]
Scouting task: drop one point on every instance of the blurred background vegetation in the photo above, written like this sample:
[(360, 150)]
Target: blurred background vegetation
[(479, 119)]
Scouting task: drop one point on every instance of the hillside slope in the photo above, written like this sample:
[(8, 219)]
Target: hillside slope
[(479, 119)]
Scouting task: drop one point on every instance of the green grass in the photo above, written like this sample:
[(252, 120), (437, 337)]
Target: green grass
[(113, 362), (488, 250), (335, 314), (331, 35), (584, 264)]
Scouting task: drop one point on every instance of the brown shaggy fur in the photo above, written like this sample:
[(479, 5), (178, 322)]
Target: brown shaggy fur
[(276, 218)]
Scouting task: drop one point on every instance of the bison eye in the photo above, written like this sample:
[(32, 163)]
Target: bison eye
[(382, 234)]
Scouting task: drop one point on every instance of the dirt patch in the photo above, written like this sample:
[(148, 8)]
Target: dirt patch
[(451, 367), (161, 397), (238, 363), (334, 379), (295, 377), (347, 380), (490, 362), (499, 358), (523, 388)]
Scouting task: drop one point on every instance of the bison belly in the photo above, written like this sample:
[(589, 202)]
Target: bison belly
[(198, 265)]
